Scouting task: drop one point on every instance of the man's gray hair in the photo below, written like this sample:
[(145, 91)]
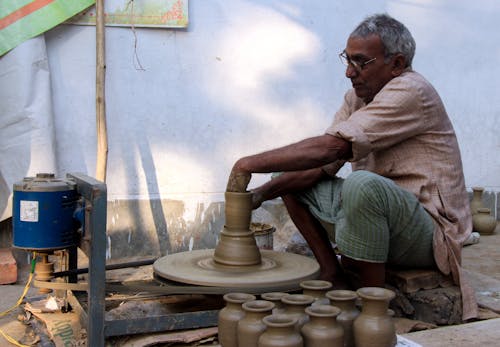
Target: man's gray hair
[(395, 37)]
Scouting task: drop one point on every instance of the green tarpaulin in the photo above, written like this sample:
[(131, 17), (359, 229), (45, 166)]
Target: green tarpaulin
[(21, 20)]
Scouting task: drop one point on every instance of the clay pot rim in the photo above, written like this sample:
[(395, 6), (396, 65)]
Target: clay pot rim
[(279, 320), (273, 295), (316, 284), (478, 188), (297, 299), (238, 298), (341, 295), (376, 293), (258, 306), (323, 311)]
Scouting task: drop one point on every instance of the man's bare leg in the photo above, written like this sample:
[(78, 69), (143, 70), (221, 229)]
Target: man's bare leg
[(317, 238)]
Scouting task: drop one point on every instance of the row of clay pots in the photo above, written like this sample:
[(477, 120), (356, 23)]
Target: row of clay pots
[(482, 220), (303, 320)]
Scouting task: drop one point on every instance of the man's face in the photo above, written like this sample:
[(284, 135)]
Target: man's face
[(370, 78)]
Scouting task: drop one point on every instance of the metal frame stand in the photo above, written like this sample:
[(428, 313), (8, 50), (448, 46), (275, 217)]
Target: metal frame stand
[(93, 244)]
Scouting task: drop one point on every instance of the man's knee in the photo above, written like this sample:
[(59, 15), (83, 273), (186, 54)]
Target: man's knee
[(362, 187)]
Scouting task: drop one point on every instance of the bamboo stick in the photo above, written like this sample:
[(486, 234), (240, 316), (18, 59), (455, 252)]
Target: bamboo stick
[(102, 136)]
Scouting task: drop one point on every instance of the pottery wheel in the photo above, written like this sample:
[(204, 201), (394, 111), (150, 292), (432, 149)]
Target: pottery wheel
[(277, 271)]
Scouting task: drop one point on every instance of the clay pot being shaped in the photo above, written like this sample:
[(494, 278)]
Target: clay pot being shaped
[(280, 332), (322, 328), (250, 327), (317, 289), (477, 199), (237, 246), (275, 298), (346, 301), (238, 210), (483, 222), (229, 316), (295, 306), (374, 327)]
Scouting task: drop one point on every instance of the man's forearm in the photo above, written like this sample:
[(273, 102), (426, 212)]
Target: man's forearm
[(288, 182), (303, 155)]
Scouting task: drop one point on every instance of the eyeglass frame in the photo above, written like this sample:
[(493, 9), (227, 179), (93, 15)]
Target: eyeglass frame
[(346, 60)]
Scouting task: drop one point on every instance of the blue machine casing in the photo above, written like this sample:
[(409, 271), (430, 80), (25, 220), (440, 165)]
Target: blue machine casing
[(43, 210)]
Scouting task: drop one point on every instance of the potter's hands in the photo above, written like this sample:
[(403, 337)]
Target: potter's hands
[(238, 179), (257, 198)]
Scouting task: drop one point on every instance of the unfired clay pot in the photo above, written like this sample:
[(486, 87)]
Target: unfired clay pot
[(374, 327), (237, 246), (483, 222), (295, 305), (280, 332), (275, 298), (251, 326), (317, 289), (346, 301), (238, 210), (477, 199), (322, 328), (229, 316)]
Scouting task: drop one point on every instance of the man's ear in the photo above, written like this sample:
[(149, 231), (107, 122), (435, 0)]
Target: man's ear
[(398, 64)]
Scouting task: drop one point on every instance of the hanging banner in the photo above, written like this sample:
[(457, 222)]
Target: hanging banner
[(138, 13), (21, 20)]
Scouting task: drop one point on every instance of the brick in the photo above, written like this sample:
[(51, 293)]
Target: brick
[(8, 267), (411, 281)]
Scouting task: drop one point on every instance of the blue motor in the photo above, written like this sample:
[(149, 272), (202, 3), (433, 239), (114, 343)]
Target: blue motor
[(42, 215)]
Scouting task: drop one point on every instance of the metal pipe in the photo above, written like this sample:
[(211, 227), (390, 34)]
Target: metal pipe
[(108, 267)]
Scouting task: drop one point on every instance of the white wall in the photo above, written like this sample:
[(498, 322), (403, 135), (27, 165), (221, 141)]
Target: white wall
[(247, 76)]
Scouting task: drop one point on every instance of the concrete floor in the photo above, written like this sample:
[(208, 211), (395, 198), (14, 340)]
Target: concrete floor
[(481, 260)]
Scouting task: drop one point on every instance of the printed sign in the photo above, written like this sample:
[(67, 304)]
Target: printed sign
[(29, 211)]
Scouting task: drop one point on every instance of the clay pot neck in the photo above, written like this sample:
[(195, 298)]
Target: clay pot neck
[(235, 300), (343, 299), (280, 322), (315, 288), (258, 307), (296, 303), (375, 300), (322, 315)]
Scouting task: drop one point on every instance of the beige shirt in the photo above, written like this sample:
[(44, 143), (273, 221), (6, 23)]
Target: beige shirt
[(405, 134)]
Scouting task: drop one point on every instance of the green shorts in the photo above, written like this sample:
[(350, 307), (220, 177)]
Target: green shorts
[(375, 220)]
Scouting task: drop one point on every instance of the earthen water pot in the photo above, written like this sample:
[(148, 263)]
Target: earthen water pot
[(237, 246), (323, 328), (374, 327), (229, 316), (483, 222), (477, 199), (280, 332), (346, 301), (251, 326)]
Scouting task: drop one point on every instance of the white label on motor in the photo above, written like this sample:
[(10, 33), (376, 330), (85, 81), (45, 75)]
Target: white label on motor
[(29, 211)]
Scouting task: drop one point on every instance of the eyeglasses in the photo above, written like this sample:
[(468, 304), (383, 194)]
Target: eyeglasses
[(358, 65)]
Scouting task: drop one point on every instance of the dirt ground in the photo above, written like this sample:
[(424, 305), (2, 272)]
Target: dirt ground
[(481, 261)]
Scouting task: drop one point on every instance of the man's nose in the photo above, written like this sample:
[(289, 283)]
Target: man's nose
[(350, 71)]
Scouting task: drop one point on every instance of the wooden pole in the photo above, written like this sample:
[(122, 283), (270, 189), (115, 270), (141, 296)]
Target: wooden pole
[(102, 135)]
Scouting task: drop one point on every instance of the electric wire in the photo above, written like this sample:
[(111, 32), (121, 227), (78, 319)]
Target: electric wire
[(19, 302)]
